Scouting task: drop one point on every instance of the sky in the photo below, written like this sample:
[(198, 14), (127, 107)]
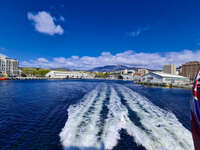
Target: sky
[(91, 33)]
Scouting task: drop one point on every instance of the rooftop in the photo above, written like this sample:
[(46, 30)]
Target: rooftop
[(192, 63), (162, 74)]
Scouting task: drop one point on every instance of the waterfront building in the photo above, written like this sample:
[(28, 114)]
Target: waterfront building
[(125, 71), (9, 66), (190, 69), (137, 76), (129, 72), (127, 77), (160, 77), (179, 70), (143, 71), (69, 74), (170, 69)]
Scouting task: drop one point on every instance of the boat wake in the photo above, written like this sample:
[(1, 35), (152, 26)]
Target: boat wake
[(90, 126)]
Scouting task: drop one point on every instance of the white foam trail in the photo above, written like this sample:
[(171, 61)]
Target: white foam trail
[(166, 132), (74, 135), (163, 130), (118, 119)]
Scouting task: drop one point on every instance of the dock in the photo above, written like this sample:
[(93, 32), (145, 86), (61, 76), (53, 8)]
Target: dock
[(166, 85), (26, 78)]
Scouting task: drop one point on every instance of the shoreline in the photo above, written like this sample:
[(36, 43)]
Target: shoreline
[(165, 85)]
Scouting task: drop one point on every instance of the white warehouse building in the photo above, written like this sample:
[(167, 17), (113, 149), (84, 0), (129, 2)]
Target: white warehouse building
[(68, 74), (160, 77)]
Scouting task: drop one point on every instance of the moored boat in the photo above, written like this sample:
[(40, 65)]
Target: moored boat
[(3, 78)]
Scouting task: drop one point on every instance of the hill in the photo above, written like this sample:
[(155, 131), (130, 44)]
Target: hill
[(25, 71)]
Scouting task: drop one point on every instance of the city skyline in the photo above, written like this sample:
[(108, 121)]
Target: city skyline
[(84, 35)]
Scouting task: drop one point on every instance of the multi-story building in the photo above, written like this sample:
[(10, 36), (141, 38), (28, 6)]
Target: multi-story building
[(190, 69), (9, 66), (170, 69)]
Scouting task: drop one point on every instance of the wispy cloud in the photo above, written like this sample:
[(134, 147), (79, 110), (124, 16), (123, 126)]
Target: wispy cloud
[(138, 32), (44, 23), (42, 60), (2, 49), (129, 58)]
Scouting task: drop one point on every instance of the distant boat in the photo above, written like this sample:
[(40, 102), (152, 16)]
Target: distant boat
[(3, 78)]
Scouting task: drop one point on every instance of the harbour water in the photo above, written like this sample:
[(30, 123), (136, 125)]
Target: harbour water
[(93, 115)]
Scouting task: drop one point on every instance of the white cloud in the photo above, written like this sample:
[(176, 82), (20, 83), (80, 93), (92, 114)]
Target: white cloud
[(3, 49), (129, 58), (138, 32), (44, 23), (42, 60)]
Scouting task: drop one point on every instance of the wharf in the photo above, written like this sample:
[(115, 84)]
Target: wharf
[(26, 78), (167, 85)]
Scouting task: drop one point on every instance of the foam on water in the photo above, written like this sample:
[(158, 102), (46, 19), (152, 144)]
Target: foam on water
[(118, 119), (164, 129), (115, 121), (82, 125), (160, 130)]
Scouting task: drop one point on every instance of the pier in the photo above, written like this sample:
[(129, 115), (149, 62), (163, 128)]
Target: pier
[(167, 85), (27, 78)]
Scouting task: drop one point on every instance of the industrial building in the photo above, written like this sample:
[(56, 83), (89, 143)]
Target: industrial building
[(160, 77), (68, 75), (9, 66)]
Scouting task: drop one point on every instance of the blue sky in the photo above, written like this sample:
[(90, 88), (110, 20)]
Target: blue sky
[(93, 33)]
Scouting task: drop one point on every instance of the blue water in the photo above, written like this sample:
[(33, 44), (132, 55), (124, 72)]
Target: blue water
[(92, 114)]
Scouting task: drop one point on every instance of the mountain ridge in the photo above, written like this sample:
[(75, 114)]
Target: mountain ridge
[(111, 68)]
